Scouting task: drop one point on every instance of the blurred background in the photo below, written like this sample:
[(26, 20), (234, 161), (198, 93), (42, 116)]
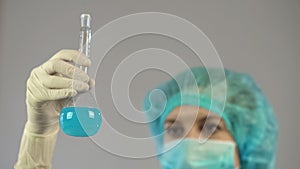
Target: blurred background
[(258, 37)]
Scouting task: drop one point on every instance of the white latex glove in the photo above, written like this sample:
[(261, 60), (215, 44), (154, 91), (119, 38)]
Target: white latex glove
[(49, 87)]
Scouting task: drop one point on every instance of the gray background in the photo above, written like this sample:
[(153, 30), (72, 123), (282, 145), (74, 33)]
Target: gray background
[(259, 37)]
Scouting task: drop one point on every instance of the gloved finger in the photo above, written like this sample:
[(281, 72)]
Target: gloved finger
[(55, 94), (58, 82), (72, 56), (39, 92), (35, 93), (58, 66), (91, 83)]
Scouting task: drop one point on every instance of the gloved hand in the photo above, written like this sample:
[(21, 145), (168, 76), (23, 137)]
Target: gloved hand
[(50, 86)]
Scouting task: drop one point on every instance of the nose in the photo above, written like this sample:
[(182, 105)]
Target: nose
[(193, 133)]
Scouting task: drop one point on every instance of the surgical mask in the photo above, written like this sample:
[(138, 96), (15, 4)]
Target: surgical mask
[(192, 154)]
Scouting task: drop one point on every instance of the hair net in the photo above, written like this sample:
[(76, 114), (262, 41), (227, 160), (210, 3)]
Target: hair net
[(247, 114)]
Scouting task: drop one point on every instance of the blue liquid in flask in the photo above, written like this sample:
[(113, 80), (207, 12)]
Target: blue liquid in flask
[(82, 117), (80, 121)]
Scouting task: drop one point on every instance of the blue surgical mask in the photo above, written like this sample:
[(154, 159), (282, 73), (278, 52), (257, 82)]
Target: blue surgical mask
[(192, 154)]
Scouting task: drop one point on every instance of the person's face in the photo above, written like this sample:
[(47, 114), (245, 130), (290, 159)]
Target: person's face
[(188, 122)]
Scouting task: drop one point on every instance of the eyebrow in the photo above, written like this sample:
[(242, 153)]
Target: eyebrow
[(209, 118), (170, 120), (201, 120)]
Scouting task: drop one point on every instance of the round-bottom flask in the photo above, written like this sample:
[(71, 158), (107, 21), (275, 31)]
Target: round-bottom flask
[(83, 118)]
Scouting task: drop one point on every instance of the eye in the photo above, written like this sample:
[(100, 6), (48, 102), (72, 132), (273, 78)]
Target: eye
[(210, 128), (175, 131)]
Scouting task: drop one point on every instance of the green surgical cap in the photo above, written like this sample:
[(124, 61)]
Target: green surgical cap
[(246, 112)]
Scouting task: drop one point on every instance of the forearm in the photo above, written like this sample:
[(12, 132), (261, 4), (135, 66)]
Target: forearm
[(36, 150)]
